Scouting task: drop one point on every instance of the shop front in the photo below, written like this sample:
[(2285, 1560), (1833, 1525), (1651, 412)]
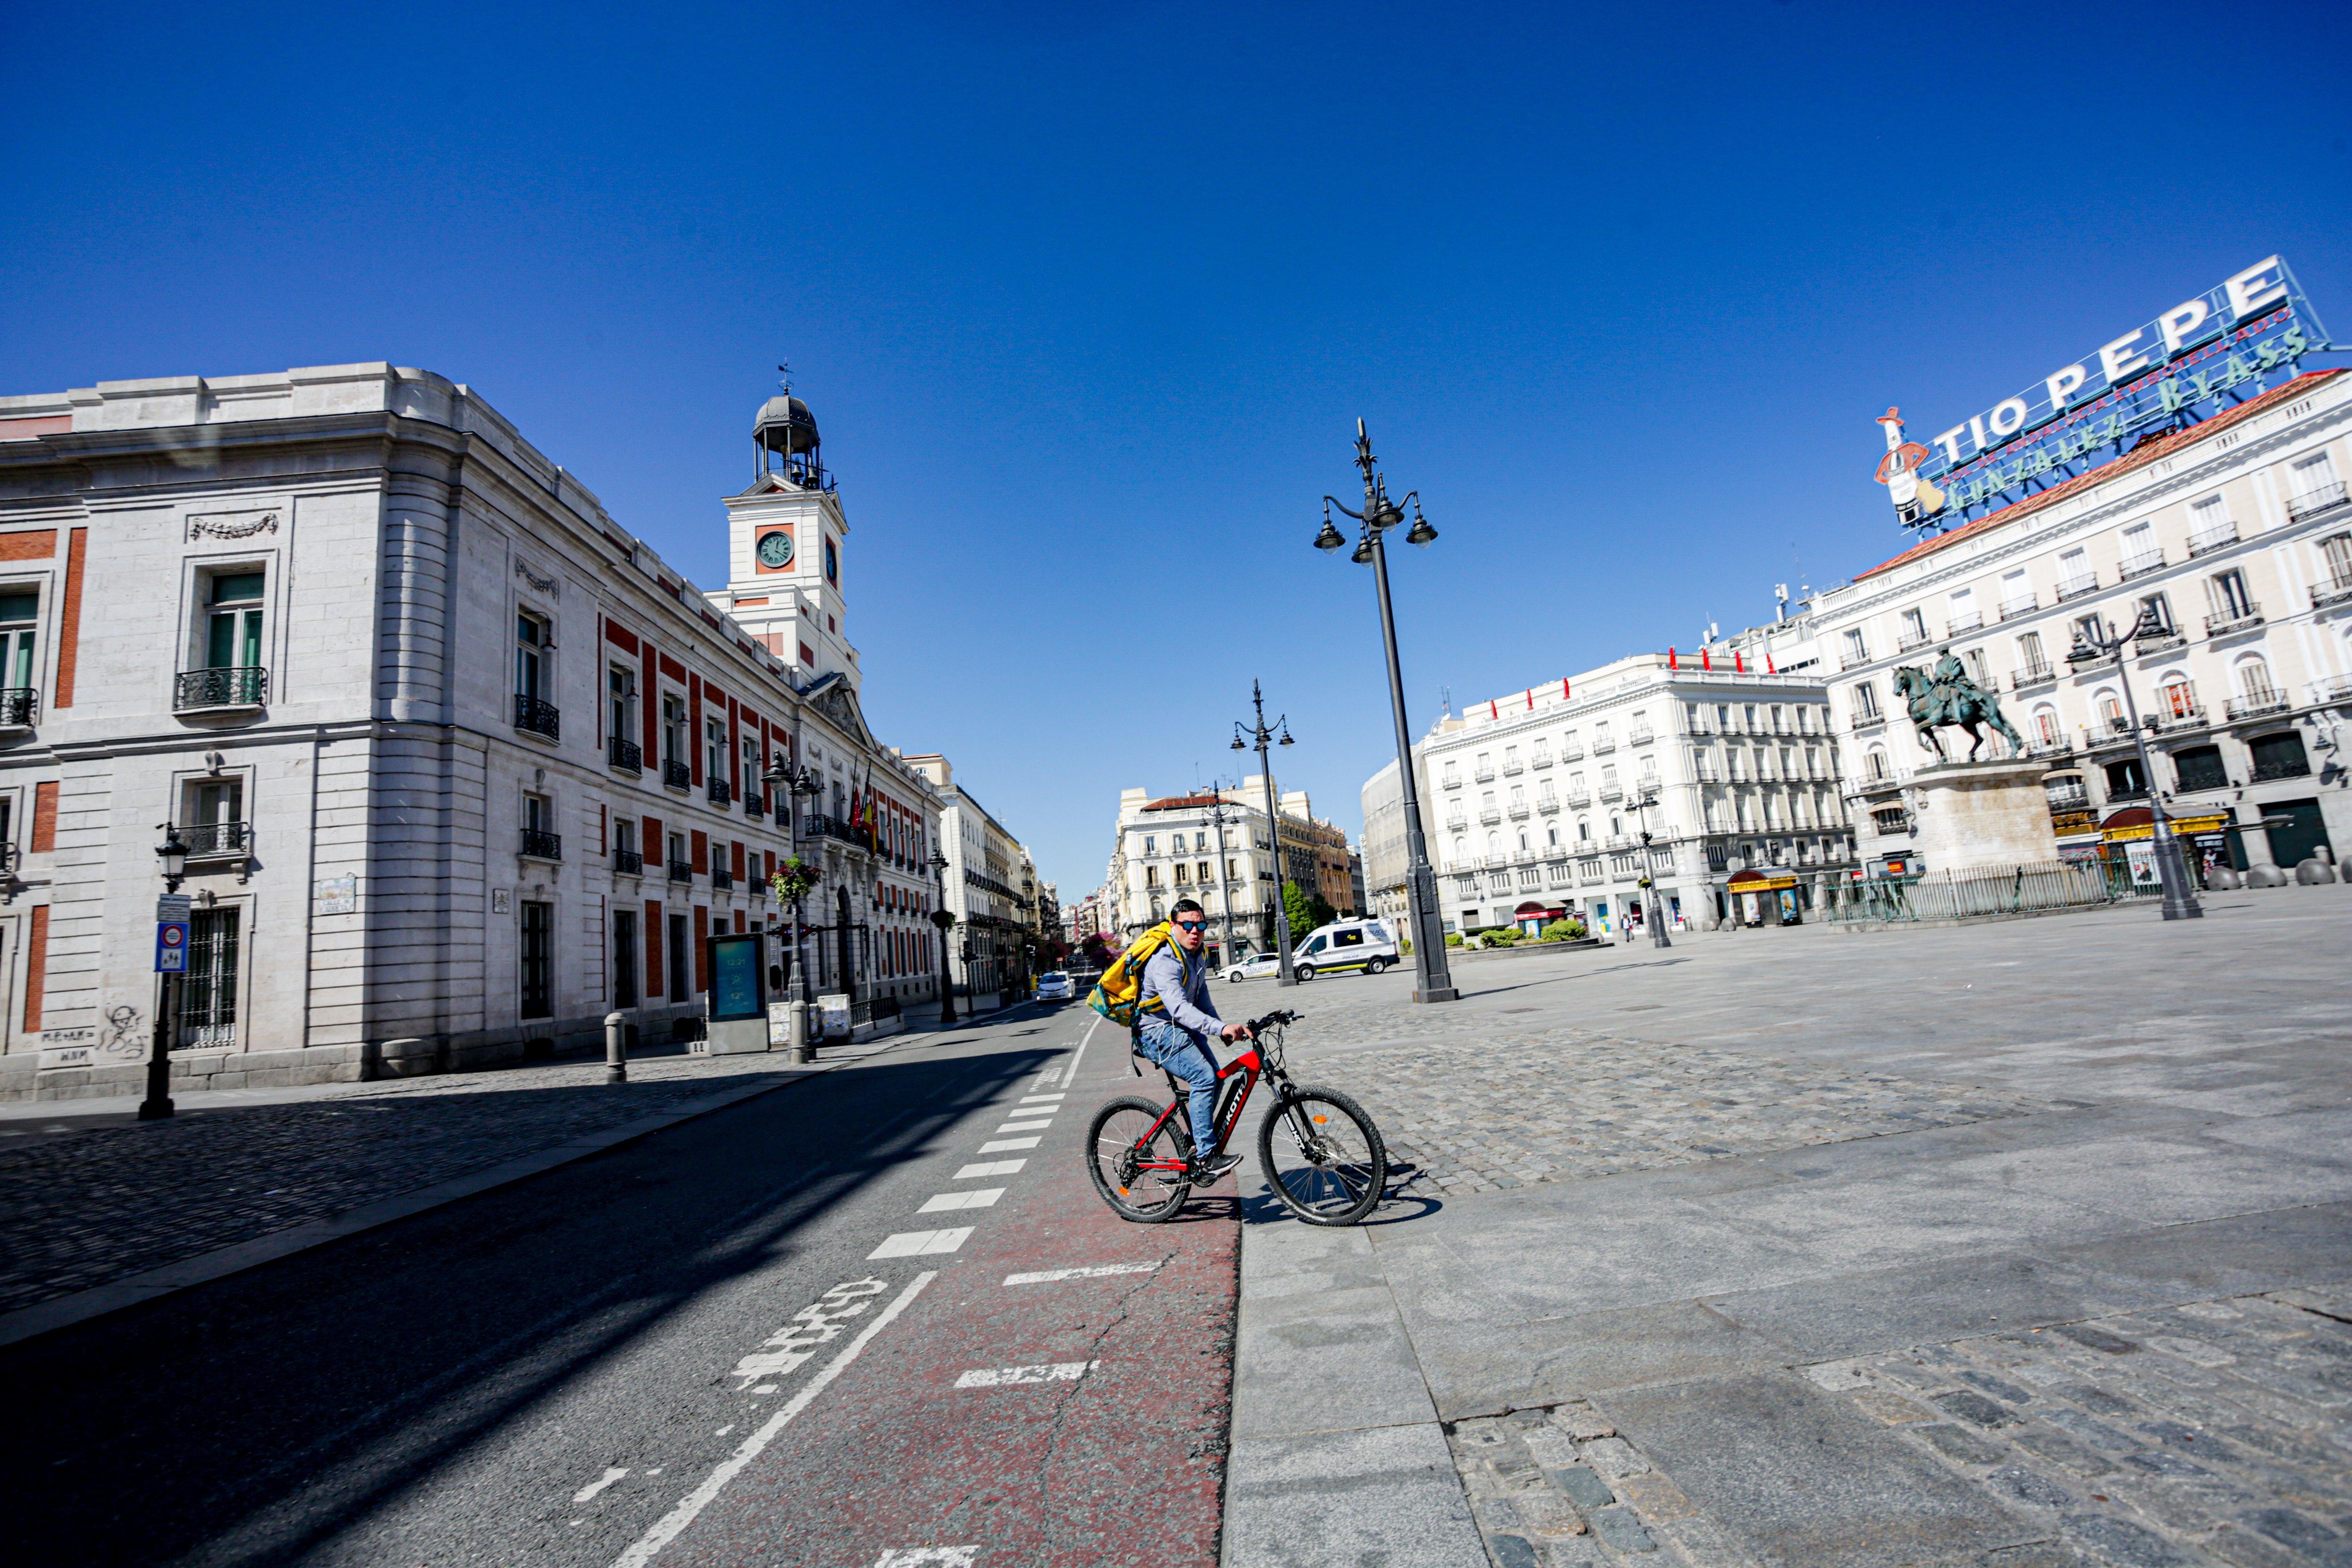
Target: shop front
[(1532, 916), (2127, 847), (1766, 896)]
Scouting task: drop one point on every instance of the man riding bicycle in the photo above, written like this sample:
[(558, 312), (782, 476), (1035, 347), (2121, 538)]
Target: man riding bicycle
[(1174, 1023)]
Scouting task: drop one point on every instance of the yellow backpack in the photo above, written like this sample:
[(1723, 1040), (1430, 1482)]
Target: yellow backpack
[(1119, 994)]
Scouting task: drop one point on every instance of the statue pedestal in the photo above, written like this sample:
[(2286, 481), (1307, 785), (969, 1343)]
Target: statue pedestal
[(1972, 814)]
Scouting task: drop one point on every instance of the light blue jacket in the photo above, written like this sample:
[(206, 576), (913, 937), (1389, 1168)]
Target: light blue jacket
[(1182, 986)]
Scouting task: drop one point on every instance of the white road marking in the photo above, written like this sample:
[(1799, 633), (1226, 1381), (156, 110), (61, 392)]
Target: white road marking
[(928, 1557), (990, 1168), (978, 1198), (612, 1473), (1026, 1126), (814, 1325), (1004, 1145), (1097, 1271), (1070, 1076), (915, 1243), (1011, 1376), (695, 1501), (1057, 1097)]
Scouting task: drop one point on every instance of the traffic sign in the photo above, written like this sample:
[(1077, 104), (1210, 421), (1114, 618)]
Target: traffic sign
[(171, 947)]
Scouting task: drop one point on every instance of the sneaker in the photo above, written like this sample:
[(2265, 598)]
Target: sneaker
[(1217, 1167)]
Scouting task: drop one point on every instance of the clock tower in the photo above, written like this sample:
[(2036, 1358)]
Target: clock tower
[(785, 549)]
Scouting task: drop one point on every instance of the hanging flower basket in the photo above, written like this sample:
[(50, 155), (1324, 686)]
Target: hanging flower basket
[(793, 880)]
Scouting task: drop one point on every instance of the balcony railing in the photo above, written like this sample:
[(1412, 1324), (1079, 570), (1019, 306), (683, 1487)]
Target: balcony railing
[(681, 870), (1965, 623), (2192, 716), (2255, 704), (2032, 676), (624, 754), (2322, 594), (539, 845), (1642, 737), (1456, 823), (2070, 800), (1613, 792), (721, 792), (676, 775), (1547, 804), (2141, 566), (2126, 792), (721, 877), (2212, 538), (2079, 586), (1489, 815), (1853, 658), (1484, 776), (1572, 754), (1518, 809), (2311, 503), (1910, 640), (538, 717), (628, 863), (2024, 606), (244, 685), (820, 826), (1540, 760), (1580, 797), (1602, 745), (19, 707), (2227, 621), (2339, 689), (2093, 660), (2291, 768), (2162, 642), (209, 840), (755, 805), (1513, 769)]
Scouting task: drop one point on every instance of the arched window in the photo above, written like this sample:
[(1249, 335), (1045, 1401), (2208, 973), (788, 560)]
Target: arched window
[(1878, 762), (1552, 837), (2046, 725), (1616, 827), (1461, 848), (1584, 830), (1523, 843), (2254, 676), (2176, 698), (2110, 709), (1494, 844)]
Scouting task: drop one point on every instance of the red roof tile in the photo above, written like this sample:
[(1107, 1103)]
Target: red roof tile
[(2146, 452)]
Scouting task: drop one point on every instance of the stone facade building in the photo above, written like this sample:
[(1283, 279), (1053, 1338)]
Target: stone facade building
[(462, 765), (986, 876)]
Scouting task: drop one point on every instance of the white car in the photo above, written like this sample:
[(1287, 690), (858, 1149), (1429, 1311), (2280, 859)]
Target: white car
[(1343, 945), (1263, 967), (1054, 986)]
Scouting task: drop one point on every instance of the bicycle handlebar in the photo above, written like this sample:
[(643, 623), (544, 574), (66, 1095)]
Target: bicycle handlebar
[(1275, 1019)]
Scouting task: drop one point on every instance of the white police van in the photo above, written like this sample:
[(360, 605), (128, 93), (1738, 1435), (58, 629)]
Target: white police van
[(1344, 945)]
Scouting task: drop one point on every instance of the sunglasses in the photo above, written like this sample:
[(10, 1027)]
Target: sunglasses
[(1191, 925)]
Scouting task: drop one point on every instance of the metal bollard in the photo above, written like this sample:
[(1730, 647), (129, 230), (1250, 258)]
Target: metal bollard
[(796, 1024), (616, 1048)]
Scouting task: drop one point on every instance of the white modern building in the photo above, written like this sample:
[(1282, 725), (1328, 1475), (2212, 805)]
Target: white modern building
[(463, 766), (1537, 801), (2230, 543), (990, 888)]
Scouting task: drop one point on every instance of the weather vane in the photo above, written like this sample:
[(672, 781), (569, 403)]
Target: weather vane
[(786, 370)]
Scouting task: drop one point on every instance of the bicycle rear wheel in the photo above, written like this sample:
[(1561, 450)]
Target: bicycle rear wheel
[(1139, 1173), (1323, 1157)]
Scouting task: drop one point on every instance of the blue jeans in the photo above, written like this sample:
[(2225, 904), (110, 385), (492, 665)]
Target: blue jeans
[(1181, 1053)]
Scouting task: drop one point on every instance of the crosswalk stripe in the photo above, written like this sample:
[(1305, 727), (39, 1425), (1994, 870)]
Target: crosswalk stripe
[(990, 1168), (977, 1198), (915, 1243), (1097, 1271), (1005, 1145)]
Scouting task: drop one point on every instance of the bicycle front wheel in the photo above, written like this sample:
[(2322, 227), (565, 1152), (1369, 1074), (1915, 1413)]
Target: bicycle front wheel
[(1137, 1157), (1323, 1157)]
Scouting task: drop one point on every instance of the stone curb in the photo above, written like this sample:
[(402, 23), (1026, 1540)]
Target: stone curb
[(64, 1311)]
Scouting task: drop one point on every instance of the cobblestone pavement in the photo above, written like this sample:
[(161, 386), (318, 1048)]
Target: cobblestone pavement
[(1487, 1099), (81, 1210), (2213, 1432)]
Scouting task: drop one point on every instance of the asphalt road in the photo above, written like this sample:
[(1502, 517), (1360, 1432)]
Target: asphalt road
[(684, 1352)]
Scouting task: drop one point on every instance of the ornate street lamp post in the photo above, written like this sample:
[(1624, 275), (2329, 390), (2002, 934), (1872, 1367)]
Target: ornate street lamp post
[(944, 919), (2180, 902), (1432, 977), (1652, 910), (1224, 880), (172, 855), (1264, 735), (783, 782)]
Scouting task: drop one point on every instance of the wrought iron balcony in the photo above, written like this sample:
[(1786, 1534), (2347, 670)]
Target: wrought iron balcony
[(2077, 587), (2025, 606), (2212, 538), (1484, 776), (1547, 804), (624, 754), (1519, 810), (19, 707), (2290, 768), (1853, 658), (2141, 566), (2164, 641), (2076, 799), (1513, 768), (2223, 625), (628, 863), (1602, 745), (1910, 640), (2339, 689), (2126, 792), (2035, 675), (2257, 704), (681, 870), (1966, 622), (2092, 660), (1489, 815), (1456, 823), (1642, 737), (1613, 792), (2322, 594), (1540, 760), (1572, 754), (676, 775), (203, 690), (719, 792), (217, 840), (538, 717), (539, 845), (2192, 716), (721, 877), (755, 805), (2311, 503)]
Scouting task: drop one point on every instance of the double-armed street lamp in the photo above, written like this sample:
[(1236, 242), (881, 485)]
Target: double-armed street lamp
[(1264, 735), (1652, 910), (2181, 902), (172, 857), (944, 919), (785, 781), (1225, 876), (1432, 980)]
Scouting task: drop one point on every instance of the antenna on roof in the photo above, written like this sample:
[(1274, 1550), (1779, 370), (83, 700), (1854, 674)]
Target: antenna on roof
[(1445, 696), (785, 371)]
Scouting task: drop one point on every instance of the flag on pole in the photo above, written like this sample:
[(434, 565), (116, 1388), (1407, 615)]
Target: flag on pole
[(1770, 668), (1670, 659), (1706, 657), (1563, 689), (1738, 665), (1531, 699), (1492, 711)]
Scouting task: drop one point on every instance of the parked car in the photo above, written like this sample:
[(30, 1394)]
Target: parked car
[(1342, 946), (1054, 986)]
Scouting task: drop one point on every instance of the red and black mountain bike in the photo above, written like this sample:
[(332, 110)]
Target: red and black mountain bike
[(1320, 1153)]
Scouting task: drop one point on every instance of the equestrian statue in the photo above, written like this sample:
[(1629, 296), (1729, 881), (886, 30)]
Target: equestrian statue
[(1949, 696)]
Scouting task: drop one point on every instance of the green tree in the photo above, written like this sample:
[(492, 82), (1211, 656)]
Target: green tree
[(1300, 911)]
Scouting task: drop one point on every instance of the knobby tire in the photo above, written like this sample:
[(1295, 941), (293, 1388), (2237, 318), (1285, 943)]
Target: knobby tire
[(1331, 1172), (1114, 1130)]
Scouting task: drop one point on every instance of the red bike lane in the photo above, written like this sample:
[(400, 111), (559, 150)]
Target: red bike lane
[(1053, 1391)]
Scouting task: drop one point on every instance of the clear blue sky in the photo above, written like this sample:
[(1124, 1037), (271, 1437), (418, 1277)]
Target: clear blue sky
[(1088, 298)]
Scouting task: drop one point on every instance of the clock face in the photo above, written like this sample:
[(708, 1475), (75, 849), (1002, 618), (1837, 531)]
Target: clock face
[(776, 549)]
